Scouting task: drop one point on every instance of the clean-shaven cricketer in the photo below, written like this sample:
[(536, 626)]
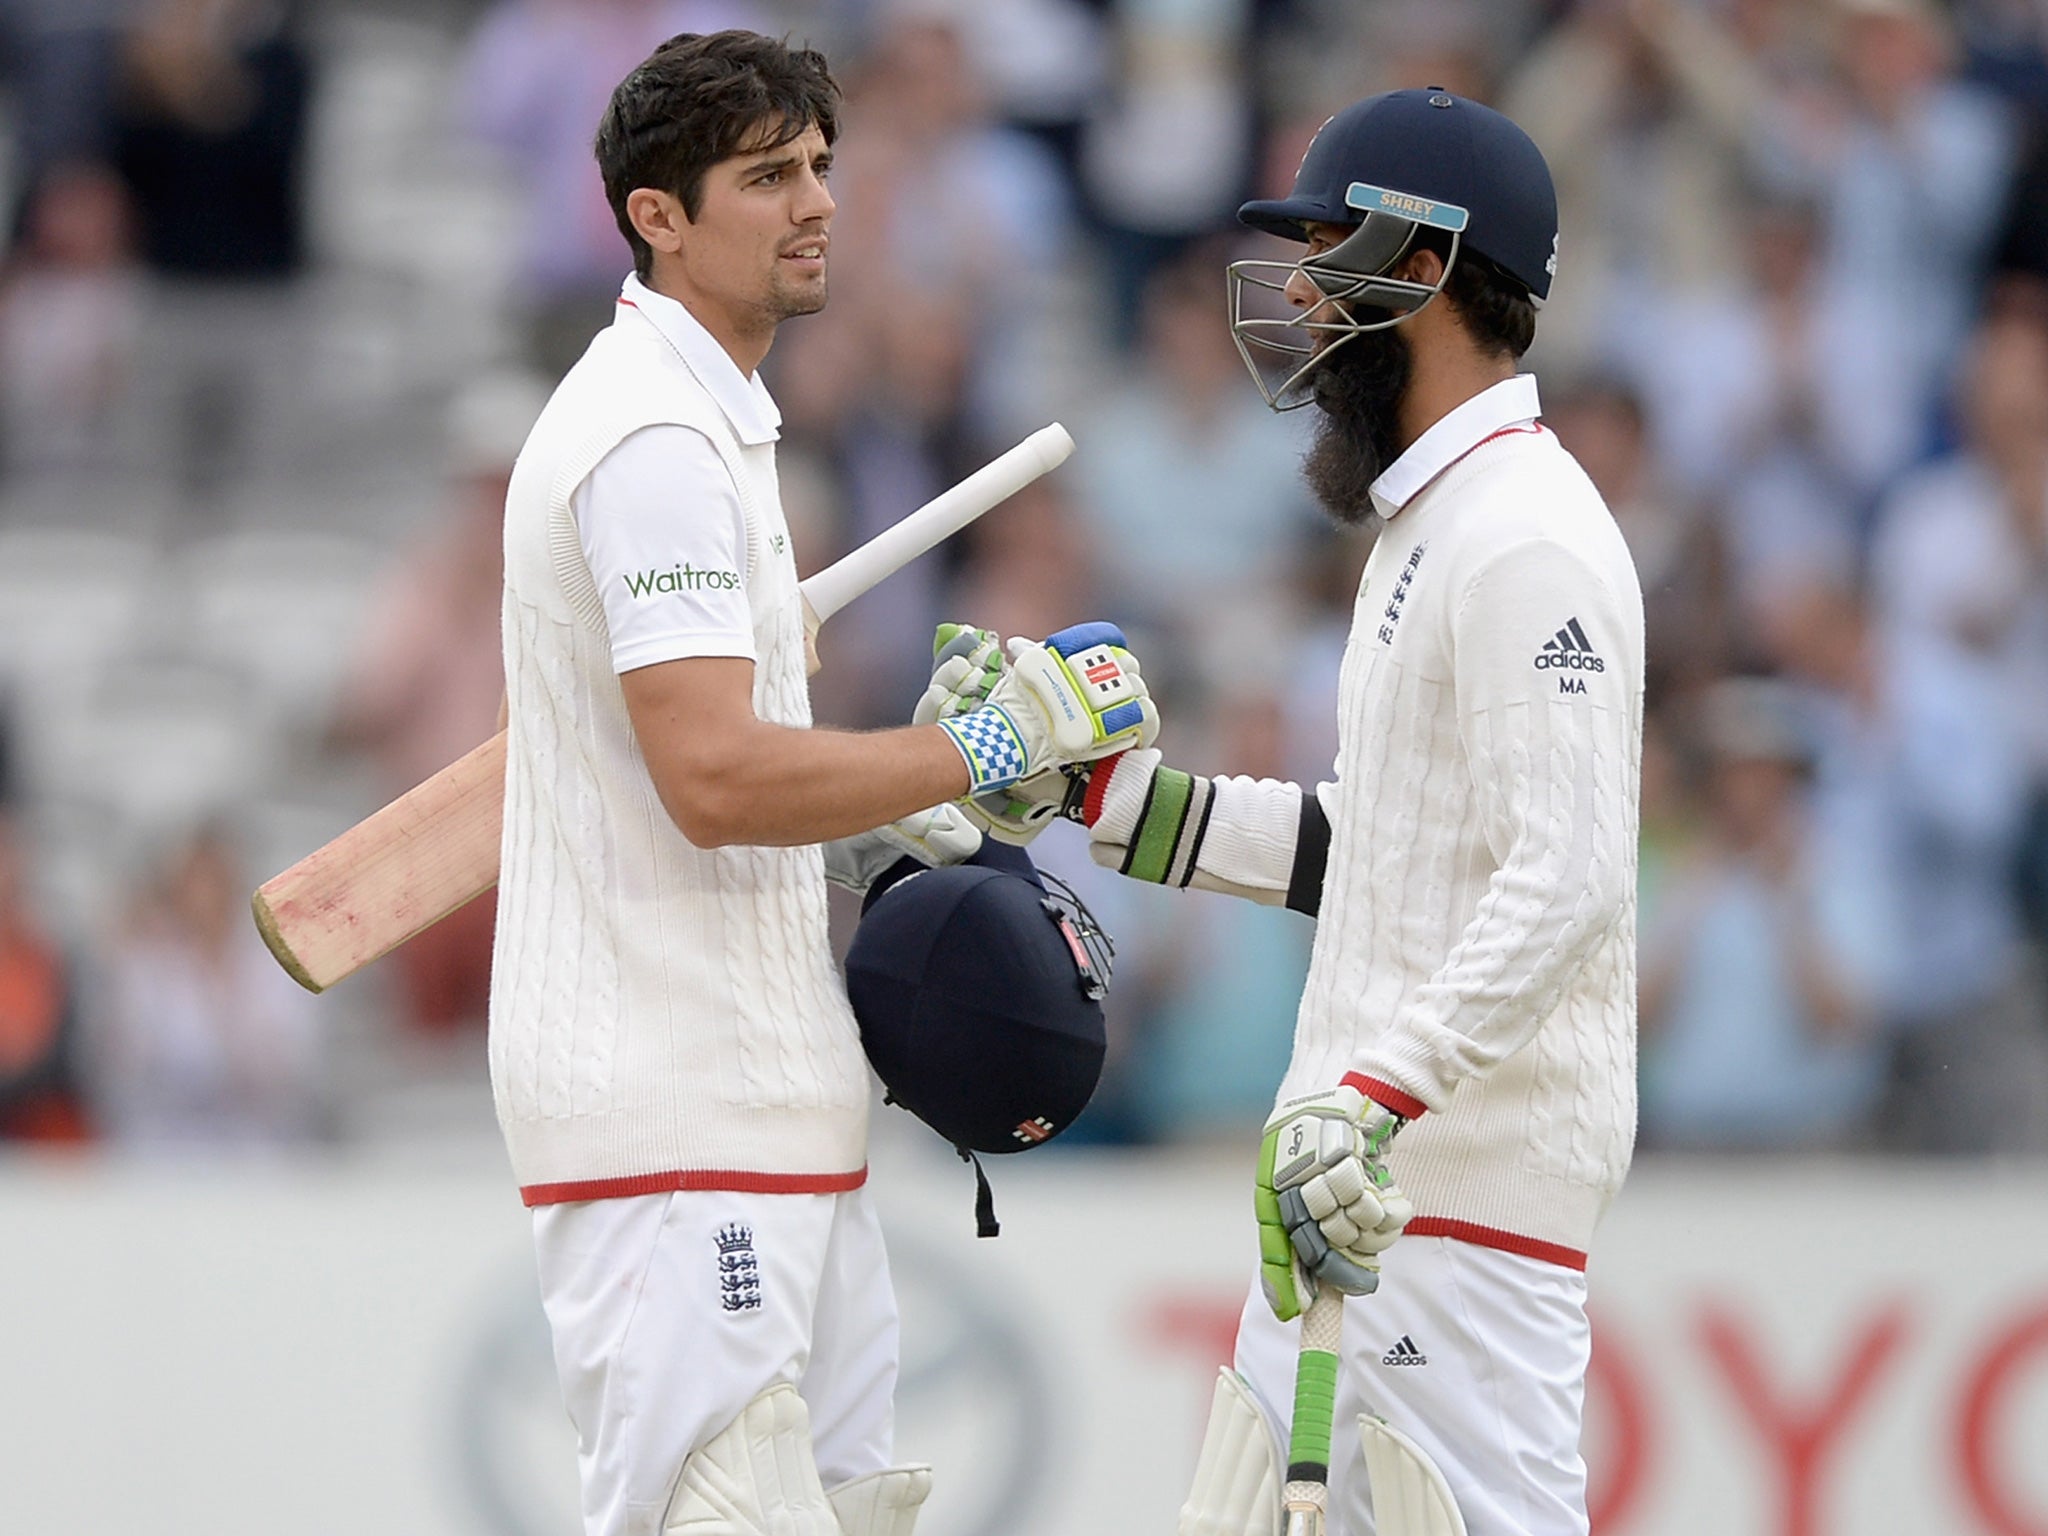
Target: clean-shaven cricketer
[(1463, 1076), (676, 1069)]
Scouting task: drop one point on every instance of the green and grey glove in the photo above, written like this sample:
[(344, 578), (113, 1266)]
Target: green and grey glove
[(1327, 1206)]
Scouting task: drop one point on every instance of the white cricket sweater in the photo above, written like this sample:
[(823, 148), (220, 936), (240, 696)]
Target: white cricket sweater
[(662, 1016), (1475, 949)]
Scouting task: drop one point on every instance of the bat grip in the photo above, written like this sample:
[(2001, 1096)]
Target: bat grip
[(1315, 1413)]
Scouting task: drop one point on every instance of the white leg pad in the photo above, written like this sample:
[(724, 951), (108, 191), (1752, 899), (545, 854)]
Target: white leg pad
[(755, 1477), (1409, 1494), (883, 1503), (1236, 1490)]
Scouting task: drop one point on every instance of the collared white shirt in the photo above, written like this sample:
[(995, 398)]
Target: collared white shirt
[(1510, 403), (660, 518), (741, 396)]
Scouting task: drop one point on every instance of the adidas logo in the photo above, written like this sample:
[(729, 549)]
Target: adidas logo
[(1569, 651), (1404, 1352)]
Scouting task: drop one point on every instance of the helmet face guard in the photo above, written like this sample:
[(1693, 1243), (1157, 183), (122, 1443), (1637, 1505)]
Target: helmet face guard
[(1093, 949), (1281, 345)]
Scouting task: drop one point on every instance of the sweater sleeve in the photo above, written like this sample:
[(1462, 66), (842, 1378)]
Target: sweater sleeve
[(1263, 839), (1546, 672)]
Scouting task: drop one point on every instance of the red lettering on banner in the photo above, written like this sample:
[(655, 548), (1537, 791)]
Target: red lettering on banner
[(1800, 1439), (1984, 1399), (1624, 1467)]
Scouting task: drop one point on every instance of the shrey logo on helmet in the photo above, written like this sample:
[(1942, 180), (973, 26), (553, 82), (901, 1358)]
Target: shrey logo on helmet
[(1391, 166)]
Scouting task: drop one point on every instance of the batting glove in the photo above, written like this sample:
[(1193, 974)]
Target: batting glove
[(939, 836), (967, 663), (1326, 1204), (1075, 697)]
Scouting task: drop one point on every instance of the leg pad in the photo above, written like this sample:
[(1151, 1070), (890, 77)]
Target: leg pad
[(883, 1503), (1236, 1490), (755, 1477), (1409, 1494)]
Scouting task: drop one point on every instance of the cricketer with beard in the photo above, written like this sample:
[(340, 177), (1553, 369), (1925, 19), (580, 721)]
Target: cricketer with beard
[(1463, 1076)]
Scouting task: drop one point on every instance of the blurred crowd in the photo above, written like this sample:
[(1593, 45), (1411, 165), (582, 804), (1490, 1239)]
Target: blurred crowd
[(284, 284)]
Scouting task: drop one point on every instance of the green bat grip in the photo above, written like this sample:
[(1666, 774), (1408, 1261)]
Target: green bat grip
[(1315, 1412)]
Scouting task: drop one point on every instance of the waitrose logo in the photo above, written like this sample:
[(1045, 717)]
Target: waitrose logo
[(680, 578)]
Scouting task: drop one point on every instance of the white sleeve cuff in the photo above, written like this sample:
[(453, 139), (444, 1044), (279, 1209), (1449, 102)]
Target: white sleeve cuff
[(1252, 831)]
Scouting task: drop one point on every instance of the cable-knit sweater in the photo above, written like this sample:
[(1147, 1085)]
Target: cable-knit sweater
[(1474, 960), (662, 1016)]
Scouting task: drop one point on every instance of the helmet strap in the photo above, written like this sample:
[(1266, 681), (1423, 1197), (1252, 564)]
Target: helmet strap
[(985, 1223)]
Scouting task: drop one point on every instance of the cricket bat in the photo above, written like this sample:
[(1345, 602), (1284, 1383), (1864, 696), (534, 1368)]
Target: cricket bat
[(1305, 1500), (435, 848)]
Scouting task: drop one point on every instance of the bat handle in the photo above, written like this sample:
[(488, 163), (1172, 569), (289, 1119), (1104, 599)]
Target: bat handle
[(812, 624), (1315, 1412)]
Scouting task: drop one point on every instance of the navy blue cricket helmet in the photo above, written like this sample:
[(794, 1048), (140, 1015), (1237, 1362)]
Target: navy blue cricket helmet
[(1393, 165), (978, 988)]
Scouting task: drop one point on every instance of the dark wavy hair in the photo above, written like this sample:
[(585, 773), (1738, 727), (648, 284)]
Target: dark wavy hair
[(1495, 307), (701, 98)]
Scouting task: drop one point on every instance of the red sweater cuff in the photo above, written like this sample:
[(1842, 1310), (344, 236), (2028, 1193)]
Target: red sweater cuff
[(1098, 787), (1386, 1095)]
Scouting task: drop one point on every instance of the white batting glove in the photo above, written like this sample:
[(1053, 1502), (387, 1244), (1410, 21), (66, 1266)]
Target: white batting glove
[(940, 836), (967, 664), (1072, 698), (1326, 1204)]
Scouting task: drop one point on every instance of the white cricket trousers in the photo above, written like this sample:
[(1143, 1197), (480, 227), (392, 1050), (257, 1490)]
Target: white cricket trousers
[(1478, 1355), (672, 1312)]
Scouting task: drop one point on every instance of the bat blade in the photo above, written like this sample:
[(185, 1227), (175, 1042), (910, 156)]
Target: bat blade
[(395, 873), (435, 848)]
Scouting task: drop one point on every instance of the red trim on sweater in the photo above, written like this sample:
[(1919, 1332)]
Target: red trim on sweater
[(1386, 1095), (1493, 1237), (1534, 426), (735, 1180), (1098, 786), (1515, 431)]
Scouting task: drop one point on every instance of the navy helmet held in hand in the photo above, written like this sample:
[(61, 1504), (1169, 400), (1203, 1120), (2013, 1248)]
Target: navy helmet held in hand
[(978, 989)]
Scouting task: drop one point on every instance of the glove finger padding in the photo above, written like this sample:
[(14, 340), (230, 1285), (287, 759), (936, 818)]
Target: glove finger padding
[(1071, 699), (1327, 1206), (1345, 1184), (943, 835), (1287, 1286), (1343, 1272), (1089, 689), (967, 663), (1397, 1212), (1353, 1274)]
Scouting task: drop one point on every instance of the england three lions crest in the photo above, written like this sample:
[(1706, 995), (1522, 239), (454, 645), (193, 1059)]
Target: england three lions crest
[(739, 1271)]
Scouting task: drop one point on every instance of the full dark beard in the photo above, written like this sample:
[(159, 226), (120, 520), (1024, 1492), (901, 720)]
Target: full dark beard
[(1358, 388)]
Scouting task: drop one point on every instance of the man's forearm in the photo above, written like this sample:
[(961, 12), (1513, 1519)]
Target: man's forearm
[(778, 786), (1262, 839)]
